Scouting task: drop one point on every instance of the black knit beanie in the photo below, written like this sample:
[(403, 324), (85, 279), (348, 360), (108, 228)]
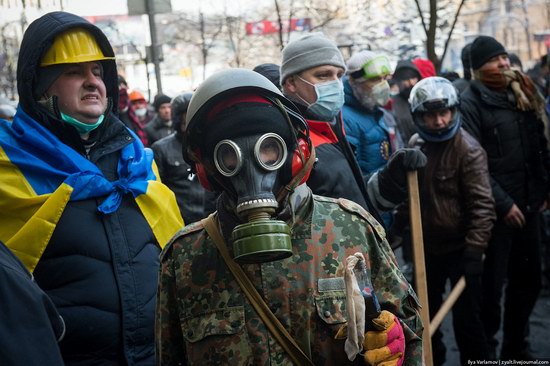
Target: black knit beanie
[(483, 49), (161, 99)]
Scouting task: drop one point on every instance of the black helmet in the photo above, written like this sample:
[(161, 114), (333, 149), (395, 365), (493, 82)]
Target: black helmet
[(227, 84), (433, 94), (179, 106)]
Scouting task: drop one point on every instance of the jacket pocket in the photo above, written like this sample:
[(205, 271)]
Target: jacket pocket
[(446, 182), (218, 333), (331, 308)]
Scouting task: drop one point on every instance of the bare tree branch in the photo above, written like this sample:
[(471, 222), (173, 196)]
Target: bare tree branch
[(417, 2), (327, 20), (290, 15), (280, 22)]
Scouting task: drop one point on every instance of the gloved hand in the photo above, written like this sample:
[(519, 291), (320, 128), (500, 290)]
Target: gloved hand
[(385, 346), (472, 261), (392, 179)]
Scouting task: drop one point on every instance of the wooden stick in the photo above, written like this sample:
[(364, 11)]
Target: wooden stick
[(447, 305), (419, 264)]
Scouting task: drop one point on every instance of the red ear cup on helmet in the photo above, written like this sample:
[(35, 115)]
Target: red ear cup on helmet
[(297, 162), (203, 178), (201, 172)]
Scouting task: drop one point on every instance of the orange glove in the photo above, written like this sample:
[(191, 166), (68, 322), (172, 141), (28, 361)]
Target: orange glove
[(385, 346)]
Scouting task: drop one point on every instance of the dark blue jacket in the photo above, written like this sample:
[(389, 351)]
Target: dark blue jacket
[(29, 324), (100, 270)]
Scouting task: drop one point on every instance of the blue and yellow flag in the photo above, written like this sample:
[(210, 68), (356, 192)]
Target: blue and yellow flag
[(39, 175)]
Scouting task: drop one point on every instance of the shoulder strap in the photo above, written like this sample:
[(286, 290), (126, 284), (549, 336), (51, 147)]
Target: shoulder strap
[(271, 322)]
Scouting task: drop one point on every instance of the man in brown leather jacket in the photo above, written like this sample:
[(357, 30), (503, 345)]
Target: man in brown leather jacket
[(457, 212)]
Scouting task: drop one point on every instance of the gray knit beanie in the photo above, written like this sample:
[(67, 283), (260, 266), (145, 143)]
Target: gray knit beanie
[(309, 51)]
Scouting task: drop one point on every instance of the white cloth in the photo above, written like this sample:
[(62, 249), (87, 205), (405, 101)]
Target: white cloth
[(355, 305)]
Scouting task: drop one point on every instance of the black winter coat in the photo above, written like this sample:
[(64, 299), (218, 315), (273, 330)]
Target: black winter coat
[(99, 270), (194, 201), (336, 172), (156, 129), (401, 110), (516, 147)]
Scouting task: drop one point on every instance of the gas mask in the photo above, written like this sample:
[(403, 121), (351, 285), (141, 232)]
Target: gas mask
[(244, 138), (251, 168)]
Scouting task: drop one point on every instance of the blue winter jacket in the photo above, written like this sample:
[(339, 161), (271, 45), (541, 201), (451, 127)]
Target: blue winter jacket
[(368, 133)]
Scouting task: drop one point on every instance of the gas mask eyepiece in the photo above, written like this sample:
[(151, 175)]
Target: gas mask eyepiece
[(251, 165)]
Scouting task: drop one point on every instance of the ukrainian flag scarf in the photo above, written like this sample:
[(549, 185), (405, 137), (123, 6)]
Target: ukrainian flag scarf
[(39, 175)]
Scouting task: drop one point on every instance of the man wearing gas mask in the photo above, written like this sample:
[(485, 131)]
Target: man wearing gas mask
[(248, 142), (311, 76)]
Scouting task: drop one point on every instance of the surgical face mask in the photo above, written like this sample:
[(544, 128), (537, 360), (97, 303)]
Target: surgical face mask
[(381, 93), (250, 166), (82, 128), (140, 112), (330, 99), (366, 99), (377, 95)]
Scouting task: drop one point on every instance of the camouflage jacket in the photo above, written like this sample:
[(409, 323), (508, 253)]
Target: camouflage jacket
[(204, 318)]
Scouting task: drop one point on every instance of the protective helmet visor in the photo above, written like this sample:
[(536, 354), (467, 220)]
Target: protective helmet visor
[(434, 93), (431, 97)]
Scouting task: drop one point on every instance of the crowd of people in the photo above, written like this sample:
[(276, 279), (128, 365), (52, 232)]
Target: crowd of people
[(254, 220)]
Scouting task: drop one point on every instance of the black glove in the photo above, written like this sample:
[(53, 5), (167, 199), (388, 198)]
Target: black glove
[(472, 261), (392, 179)]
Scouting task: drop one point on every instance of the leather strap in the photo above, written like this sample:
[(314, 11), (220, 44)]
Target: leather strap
[(273, 324)]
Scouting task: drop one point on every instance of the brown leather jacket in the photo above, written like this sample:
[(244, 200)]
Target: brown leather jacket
[(456, 201)]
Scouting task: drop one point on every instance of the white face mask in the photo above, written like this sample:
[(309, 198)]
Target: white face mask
[(379, 95), (140, 112)]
